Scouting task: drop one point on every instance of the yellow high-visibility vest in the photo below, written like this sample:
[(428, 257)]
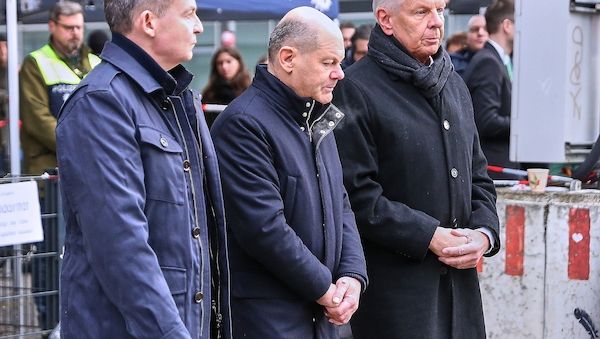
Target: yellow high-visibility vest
[(60, 79)]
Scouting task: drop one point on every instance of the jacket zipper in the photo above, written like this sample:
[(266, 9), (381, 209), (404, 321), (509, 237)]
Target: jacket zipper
[(198, 242)]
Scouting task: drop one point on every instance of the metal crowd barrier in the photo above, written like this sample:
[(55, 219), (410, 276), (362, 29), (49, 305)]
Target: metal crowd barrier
[(29, 273)]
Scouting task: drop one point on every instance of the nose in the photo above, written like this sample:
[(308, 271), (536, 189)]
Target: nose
[(438, 19), (338, 74), (198, 28)]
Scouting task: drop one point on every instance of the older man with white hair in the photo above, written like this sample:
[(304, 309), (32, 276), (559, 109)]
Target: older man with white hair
[(417, 180)]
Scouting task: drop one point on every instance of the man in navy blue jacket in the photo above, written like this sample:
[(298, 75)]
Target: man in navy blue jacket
[(145, 246), (297, 264)]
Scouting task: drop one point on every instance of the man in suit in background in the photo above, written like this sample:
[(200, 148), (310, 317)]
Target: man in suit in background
[(489, 77)]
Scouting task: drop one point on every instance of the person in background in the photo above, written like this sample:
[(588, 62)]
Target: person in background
[(96, 40), (360, 45), (227, 80), (46, 79), (489, 78), (348, 29), (456, 42), (228, 39), (477, 35), (297, 264), (417, 180), (145, 247)]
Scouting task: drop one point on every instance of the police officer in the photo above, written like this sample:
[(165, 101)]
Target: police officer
[(47, 77)]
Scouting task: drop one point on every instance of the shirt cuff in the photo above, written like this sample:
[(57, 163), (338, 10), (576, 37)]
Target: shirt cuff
[(361, 279), (488, 233)]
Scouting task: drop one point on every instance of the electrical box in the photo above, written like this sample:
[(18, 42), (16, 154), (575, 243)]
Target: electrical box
[(556, 86)]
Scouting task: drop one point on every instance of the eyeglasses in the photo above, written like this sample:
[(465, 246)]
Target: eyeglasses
[(70, 28)]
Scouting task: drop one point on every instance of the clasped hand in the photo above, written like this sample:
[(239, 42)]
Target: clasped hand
[(460, 248), (341, 300)]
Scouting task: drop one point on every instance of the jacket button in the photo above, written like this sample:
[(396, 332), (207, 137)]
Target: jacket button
[(198, 297), (165, 105), (302, 128), (196, 232), (446, 125), (164, 142), (308, 104), (304, 114), (454, 223), (186, 165), (331, 124), (454, 172)]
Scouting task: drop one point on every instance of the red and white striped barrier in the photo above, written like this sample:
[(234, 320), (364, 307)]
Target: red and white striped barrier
[(549, 265)]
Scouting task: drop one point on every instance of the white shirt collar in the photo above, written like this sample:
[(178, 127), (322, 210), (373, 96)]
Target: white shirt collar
[(505, 57), (430, 61)]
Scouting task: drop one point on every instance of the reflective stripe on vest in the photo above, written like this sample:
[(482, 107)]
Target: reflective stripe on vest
[(54, 70)]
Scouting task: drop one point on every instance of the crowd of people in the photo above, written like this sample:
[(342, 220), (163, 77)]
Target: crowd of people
[(345, 182)]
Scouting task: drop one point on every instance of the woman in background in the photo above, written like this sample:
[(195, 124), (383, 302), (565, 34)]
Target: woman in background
[(228, 77)]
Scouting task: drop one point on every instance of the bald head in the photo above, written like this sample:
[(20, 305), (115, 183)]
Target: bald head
[(302, 28)]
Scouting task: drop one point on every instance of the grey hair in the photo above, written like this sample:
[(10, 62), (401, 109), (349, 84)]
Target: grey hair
[(66, 8), (119, 13), (293, 33), (390, 4)]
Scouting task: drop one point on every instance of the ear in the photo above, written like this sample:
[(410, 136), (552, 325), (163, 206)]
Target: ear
[(384, 20), (286, 57), (147, 21), (506, 26), (51, 26)]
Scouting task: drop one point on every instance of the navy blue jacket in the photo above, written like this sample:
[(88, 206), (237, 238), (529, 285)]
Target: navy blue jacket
[(293, 231), (142, 195)]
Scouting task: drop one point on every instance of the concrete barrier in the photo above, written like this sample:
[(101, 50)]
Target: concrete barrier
[(549, 266)]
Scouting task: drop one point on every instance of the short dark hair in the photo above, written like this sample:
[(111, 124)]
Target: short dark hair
[(291, 32), (363, 32), (119, 13), (346, 24), (96, 41), (497, 12), (66, 8), (459, 38)]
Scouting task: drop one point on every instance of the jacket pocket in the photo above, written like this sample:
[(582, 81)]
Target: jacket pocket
[(177, 281), (163, 166)]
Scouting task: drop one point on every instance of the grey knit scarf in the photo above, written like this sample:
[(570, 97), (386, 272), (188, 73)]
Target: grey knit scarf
[(394, 58)]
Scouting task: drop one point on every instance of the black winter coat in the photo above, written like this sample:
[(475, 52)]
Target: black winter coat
[(293, 232), (409, 169)]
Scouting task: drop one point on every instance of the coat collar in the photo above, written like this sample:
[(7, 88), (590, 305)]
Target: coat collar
[(316, 119), (301, 109), (142, 69)]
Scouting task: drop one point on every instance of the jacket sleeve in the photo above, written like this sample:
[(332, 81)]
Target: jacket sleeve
[(352, 261), (37, 119), (102, 177), (254, 208), (485, 84), (483, 198), (387, 223)]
